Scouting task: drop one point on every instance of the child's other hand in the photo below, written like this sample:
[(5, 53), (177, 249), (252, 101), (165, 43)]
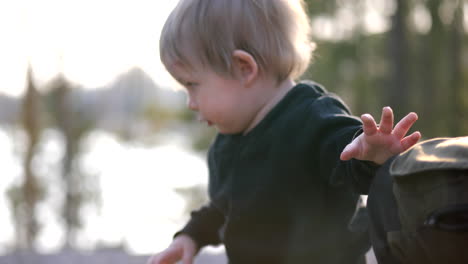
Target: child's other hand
[(378, 143), (182, 248)]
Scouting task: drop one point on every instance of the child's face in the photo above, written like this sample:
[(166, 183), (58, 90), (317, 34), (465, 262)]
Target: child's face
[(220, 102)]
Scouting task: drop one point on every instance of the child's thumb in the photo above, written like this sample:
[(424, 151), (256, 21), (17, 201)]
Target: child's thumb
[(347, 153)]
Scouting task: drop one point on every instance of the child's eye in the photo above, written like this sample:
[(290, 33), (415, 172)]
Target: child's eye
[(190, 84)]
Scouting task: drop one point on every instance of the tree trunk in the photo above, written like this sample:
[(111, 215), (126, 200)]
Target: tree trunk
[(31, 192), (397, 95), (432, 70), (456, 83)]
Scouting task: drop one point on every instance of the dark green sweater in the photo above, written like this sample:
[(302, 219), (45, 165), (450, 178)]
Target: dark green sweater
[(280, 194)]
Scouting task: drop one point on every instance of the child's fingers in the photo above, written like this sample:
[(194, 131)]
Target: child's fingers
[(405, 124), (368, 125), (386, 121), (410, 140)]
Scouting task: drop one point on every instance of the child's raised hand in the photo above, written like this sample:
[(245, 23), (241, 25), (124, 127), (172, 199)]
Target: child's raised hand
[(182, 248), (378, 143)]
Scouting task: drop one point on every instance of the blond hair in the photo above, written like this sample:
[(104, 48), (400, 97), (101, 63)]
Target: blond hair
[(206, 33)]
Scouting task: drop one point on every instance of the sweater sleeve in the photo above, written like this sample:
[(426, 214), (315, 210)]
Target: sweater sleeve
[(338, 128), (203, 226)]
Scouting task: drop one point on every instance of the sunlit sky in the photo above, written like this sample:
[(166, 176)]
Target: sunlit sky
[(89, 41)]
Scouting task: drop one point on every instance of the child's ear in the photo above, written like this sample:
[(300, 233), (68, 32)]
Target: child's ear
[(245, 65)]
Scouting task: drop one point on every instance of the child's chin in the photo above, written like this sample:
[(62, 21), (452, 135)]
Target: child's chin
[(227, 131), (222, 130)]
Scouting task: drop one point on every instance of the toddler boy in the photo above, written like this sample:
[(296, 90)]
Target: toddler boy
[(278, 190)]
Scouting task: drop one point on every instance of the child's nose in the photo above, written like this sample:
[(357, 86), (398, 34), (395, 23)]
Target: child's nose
[(192, 105)]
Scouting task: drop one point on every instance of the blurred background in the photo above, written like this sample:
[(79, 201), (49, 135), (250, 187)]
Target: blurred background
[(102, 163)]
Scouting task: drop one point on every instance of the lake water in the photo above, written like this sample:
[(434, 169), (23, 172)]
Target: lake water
[(138, 205)]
